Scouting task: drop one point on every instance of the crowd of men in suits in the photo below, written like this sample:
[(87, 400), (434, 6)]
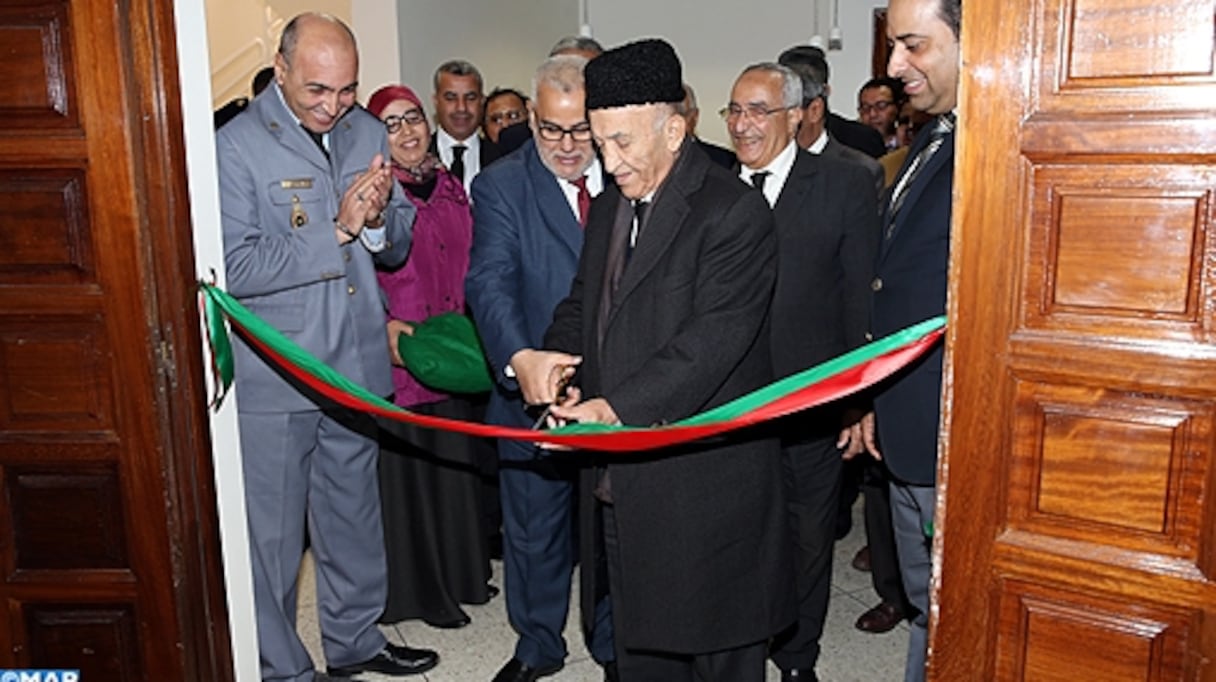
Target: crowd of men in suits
[(623, 271)]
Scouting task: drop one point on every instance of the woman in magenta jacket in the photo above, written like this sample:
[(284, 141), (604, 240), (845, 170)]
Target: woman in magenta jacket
[(430, 481)]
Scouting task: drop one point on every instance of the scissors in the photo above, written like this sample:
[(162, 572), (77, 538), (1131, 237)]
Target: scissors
[(561, 395)]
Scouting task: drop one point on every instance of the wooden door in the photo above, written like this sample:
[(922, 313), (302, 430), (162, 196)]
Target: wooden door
[(109, 558), (1077, 533), (880, 52)]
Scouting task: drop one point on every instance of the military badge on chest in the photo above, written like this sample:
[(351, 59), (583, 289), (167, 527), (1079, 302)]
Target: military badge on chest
[(299, 218)]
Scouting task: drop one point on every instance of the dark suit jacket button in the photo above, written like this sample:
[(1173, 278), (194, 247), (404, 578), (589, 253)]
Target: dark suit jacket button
[(876, 285), (869, 336)]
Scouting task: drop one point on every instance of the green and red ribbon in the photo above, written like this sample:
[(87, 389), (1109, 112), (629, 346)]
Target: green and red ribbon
[(828, 381)]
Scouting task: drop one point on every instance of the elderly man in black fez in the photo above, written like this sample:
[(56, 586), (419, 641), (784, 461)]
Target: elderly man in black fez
[(667, 318)]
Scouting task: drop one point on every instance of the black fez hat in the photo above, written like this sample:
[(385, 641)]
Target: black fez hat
[(642, 72)]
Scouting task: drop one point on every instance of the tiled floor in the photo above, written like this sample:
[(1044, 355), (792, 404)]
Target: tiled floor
[(474, 653)]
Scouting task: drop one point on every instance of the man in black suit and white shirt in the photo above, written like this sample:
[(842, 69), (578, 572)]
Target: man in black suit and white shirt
[(853, 134), (459, 99), (862, 473), (813, 133), (825, 213)]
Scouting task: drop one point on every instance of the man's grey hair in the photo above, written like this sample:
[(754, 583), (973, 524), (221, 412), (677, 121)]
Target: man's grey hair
[(812, 88), (291, 33), (690, 96), (582, 43), (563, 73), (458, 67), (810, 63), (664, 111), (791, 83)]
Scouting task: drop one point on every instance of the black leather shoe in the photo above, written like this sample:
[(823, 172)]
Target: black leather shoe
[(517, 671), (610, 672), (391, 660), (453, 622), (799, 675), (881, 618), (861, 560)]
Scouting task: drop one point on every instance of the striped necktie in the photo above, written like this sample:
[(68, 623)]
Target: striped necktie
[(944, 126)]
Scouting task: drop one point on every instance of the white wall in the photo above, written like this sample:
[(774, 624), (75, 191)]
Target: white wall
[(716, 40), (506, 39), (243, 35), (375, 25)]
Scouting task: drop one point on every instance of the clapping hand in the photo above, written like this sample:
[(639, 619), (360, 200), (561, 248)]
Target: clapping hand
[(364, 201)]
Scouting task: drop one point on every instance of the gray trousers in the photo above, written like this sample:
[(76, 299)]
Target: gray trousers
[(301, 465), (912, 509)]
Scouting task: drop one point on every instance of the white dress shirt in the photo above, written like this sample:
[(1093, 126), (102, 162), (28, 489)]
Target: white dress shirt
[(778, 170), (820, 142), (471, 158), (595, 185)]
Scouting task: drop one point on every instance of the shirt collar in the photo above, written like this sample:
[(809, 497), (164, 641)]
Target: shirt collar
[(595, 177), (819, 143), (445, 141), (779, 167), (778, 170)]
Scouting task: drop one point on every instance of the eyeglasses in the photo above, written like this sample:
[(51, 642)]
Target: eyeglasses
[(877, 107), (554, 133), (755, 113), (412, 117), (507, 117)]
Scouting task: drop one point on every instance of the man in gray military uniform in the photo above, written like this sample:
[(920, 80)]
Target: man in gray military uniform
[(308, 207)]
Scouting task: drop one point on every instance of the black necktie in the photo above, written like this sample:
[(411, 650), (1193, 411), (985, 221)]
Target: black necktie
[(758, 179), (937, 136), (639, 215), (318, 139), (458, 151)]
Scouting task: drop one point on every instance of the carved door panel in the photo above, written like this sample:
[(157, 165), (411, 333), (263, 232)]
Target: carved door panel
[(109, 557), (1078, 530)]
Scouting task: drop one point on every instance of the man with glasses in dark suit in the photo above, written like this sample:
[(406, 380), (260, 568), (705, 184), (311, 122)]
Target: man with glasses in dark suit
[(529, 210)]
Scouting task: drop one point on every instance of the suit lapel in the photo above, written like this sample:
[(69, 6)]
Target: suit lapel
[(788, 209), (665, 221), (832, 148), (939, 159), (552, 203)]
